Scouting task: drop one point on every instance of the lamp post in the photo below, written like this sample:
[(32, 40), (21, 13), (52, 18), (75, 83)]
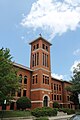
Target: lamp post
[(79, 99), (4, 106)]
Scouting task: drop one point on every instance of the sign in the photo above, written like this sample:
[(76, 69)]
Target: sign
[(4, 101), (79, 98)]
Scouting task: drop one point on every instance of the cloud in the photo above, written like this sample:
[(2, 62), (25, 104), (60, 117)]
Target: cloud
[(53, 16), (76, 52), (57, 76), (74, 65)]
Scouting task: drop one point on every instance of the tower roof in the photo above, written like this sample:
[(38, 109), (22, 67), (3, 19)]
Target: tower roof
[(39, 39)]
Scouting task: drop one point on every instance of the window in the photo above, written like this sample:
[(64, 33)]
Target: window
[(43, 46), (45, 79), (34, 47), (33, 80), (47, 48), (32, 60), (36, 79), (24, 92), (57, 97), (45, 60), (54, 86), (25, 79), (37, 46), (20, 78), (68, 98), (37, 58), (19, 93), (59, 87), (13, 92), (54, 97), (60, 97)]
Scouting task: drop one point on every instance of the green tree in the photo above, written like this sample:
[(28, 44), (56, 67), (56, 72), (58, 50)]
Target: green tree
[(75, 87), (23, 103), (8, 75)]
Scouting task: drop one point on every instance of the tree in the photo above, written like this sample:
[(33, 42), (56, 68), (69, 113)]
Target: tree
[(8, 75), (23, 103), (75, 87)]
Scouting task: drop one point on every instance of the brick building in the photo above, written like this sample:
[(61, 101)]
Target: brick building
[(37, 83)]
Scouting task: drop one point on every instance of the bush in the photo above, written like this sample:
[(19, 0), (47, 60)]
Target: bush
[(67, 110), (45, 111), (70, 111), (55, 105), (23, 103)]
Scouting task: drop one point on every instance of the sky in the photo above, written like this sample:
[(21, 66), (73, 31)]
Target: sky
[(57, 20)]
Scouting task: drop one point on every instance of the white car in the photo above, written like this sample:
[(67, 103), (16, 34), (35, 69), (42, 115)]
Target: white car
[(75, 117)]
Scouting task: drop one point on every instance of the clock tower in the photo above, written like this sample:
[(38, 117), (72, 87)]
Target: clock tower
[(41, 75)]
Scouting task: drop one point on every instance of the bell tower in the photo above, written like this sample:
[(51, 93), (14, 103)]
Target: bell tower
[(41, 75)]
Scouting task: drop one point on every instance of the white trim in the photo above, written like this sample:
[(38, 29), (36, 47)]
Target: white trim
[(48, 99), (47, 96), (46, 75), (42, 69), (22, 66), (34, 74), (38, 101), (43, 89), (40, 49)]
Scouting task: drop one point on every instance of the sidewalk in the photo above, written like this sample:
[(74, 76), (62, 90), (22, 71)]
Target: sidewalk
[(66, 117)]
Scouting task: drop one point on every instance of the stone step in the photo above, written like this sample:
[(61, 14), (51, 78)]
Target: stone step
[(61, 114)]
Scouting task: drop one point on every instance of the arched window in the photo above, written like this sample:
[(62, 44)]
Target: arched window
[(20, 78), (25, 79), (45, 102)]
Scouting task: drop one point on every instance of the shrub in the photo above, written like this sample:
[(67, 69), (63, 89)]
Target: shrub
[(45, 111), (23, 103), (70, 111), (67, 110), (55, 105)]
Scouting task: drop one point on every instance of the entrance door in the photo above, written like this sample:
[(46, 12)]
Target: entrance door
[(12, 106), (45, 102)]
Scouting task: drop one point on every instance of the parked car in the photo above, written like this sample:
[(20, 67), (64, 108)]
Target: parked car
[(75, 117)]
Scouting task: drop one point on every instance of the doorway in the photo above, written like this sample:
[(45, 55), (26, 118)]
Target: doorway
[(45, 101)]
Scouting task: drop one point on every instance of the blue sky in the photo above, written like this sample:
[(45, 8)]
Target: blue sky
[(57, 20)]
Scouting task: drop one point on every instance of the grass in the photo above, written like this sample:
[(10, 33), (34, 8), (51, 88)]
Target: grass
[(17, 113)]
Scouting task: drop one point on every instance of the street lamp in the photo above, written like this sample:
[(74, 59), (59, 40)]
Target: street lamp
[(79, 99), (4, 107)]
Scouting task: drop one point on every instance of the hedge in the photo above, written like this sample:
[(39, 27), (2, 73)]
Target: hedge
[(44, 111)]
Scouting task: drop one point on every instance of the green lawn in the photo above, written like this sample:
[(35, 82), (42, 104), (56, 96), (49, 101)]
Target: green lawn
[(17, 113)]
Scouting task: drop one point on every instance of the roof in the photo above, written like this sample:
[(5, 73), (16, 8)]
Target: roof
[(22, 66), (64, 81), (40, 38), (57, 79), (67, 82)]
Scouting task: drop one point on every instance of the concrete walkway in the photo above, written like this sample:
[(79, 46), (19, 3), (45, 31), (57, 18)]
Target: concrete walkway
[(66, 117)]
